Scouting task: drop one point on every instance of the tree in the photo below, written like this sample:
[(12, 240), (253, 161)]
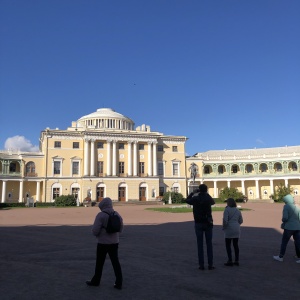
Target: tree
[(230, 193), (280, 192)]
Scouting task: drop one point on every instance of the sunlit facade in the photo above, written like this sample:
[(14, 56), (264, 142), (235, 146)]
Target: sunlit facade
[(101, 154)]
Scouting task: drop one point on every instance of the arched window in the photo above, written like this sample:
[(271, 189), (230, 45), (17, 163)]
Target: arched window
[(30, 169), (221, 169), (207, 169), (234, 169), (249, 168), (263, 168), (293, 166), (278, 167)]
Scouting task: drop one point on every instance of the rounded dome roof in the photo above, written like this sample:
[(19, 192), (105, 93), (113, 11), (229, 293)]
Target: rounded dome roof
[(105, 113), (106, 118)]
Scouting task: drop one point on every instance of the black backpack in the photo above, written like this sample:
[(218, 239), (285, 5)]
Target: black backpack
[(114, 223)]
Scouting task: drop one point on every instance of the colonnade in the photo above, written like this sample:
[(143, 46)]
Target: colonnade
[(111, 160), (21, 191), (257, 189)]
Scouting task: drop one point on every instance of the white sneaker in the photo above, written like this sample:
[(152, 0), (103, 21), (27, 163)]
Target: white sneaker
[(298, 261), (278, 258)]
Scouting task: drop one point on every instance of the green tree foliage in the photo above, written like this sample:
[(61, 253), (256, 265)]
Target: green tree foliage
[(176, 197), (280, 192), (230, 193), (65, 200)]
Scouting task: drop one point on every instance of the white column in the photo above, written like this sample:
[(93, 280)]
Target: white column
[(129, 159), (215, 190), (228, 183), (3, 191), (108, 158), (134, 158), (286, 182), (38, 190), (92, 158), (257, 189), (86, 158), (243, 187), (21, 191), (114, 159), (154, 160), (149, 160), (271, 186)]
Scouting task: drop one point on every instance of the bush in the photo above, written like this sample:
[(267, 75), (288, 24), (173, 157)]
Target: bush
[(281, 191), (17, 204), (231, 193), (44, 204), (65, 200), (176, 197)]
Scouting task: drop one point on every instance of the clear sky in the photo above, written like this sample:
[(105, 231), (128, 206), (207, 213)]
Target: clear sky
[(224, 73)]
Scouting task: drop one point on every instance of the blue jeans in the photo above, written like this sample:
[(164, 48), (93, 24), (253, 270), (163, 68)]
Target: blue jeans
[(201, 230), (287, 234)]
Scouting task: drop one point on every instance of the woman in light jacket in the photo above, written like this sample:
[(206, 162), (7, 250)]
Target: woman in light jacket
[(232, 219), (291, 226)]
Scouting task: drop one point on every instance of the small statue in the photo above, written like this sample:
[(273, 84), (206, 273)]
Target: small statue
[(194, 171)]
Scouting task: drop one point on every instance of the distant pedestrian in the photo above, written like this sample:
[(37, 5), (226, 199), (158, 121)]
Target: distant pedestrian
[(232, 220), (290, 226), (202, 202), (107, 243)]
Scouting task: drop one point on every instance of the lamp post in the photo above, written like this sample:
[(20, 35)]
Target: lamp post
[(170, 199)]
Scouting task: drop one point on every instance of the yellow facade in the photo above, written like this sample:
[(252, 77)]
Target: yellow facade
[(103, 154)]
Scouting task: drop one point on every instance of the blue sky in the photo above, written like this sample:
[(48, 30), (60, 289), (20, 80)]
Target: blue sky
[(224, 73)]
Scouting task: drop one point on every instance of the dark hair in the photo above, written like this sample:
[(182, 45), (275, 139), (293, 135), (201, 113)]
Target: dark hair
[(231, 202), (203, 188)]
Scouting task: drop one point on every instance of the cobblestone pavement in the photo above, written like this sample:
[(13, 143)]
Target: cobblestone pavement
[(49, 253)]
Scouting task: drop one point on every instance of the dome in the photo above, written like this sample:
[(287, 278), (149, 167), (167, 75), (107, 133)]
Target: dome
[(106, 118)]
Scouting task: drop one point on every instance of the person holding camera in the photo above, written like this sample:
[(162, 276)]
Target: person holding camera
[(202, 202)]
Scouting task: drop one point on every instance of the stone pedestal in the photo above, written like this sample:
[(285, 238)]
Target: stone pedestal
[(192, 187)]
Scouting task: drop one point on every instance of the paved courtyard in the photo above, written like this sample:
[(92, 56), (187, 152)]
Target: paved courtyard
[(49, 253)]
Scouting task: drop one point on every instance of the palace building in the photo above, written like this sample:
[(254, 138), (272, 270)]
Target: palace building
[(103, 154)]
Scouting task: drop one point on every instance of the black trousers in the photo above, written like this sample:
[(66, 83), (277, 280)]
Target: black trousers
[(112, 250), (235, 247)]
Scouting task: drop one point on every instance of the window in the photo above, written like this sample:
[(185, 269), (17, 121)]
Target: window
[(141, 146), (75, 145), (293, 166), (249, 168), (160, 148), (12, 167), (174, 148), (278, 167), (121, 167), (220, 169), (56, 167), (234, 169), (75, 192), (141, 167), (57, 144), (175, 189), (160, 168), (55, 193), (100, 145), (263, 168), (75, 168), (100, 169), (30, 169), (175, 170), (121, 146), (206, 170)]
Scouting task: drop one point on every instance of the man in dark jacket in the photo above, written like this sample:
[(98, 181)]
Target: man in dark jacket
[(202, 202)]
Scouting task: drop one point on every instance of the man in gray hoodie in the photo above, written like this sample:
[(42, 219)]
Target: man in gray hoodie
[(107, 243)]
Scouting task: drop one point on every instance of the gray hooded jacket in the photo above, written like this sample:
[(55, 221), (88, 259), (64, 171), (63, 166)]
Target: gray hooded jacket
[(100, 223), (290, 214)]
